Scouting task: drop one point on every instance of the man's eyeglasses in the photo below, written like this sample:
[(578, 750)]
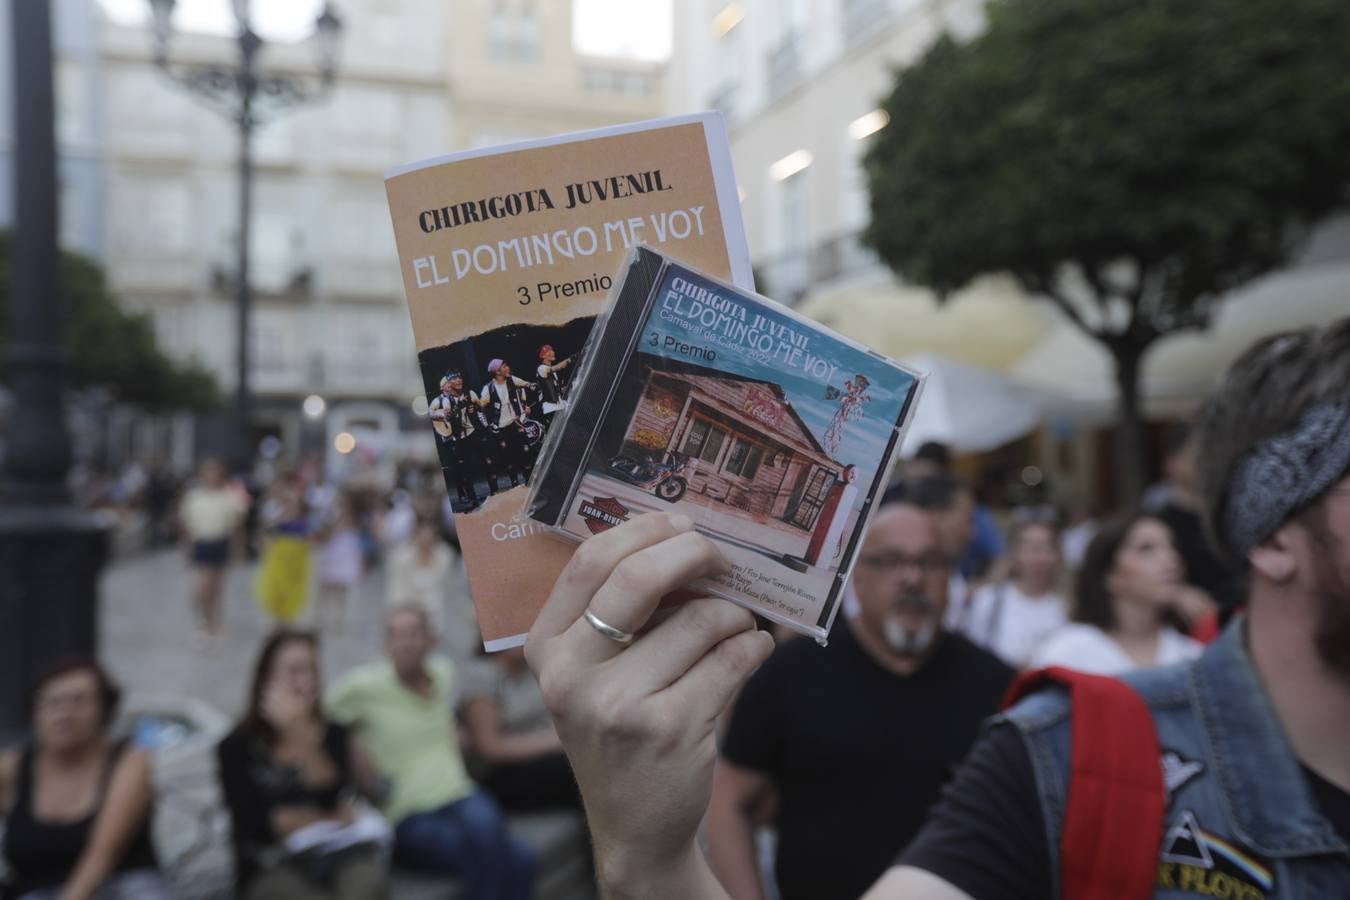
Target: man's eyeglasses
[(888, 562)]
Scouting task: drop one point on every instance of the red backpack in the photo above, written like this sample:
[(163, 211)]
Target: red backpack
[(1113, 817)]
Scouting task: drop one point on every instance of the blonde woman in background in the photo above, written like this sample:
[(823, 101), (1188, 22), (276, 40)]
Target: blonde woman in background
[(419, 573), (1013, 616), (210, 514)]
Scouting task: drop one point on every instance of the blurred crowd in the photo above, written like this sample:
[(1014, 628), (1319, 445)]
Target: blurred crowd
[(414, 761), (411, 761)]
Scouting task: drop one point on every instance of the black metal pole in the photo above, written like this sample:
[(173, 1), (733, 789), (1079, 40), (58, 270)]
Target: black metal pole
[(37, 453), (249, 43), (50, 553)]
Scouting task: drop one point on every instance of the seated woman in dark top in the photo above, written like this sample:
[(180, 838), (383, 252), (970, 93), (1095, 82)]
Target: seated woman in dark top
[(285, 769), (76, 804), (513, 746)]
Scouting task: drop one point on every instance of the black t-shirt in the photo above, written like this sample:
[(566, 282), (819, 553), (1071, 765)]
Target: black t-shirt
[(857, 753), (987, 835), (1333, 802), (43, 854)]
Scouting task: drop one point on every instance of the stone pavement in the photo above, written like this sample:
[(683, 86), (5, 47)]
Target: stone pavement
[(146, 630)]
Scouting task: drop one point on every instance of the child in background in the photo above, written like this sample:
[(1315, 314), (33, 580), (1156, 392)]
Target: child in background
[(340, 563)]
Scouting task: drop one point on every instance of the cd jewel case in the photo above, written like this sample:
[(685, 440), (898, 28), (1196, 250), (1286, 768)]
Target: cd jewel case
[(773, 433)]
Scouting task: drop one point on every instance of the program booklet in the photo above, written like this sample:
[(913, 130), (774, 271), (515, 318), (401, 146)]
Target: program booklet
[(508, 254), (773, 433)]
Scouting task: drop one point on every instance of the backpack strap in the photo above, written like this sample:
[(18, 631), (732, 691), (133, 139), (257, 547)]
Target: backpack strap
[(1113, 819)]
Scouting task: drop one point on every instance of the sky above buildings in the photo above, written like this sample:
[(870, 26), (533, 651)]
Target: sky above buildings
[(639, 29)]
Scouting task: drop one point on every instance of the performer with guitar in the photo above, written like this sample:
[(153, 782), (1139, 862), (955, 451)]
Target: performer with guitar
[(455, 416)]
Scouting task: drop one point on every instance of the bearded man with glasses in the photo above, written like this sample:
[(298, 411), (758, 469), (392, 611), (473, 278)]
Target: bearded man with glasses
[(851, 743)]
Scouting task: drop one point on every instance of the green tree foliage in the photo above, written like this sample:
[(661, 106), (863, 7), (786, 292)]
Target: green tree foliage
[(111, 347), (1130, 160)]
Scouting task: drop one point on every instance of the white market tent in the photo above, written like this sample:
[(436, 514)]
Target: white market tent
[(968, 407), (1181, 370)]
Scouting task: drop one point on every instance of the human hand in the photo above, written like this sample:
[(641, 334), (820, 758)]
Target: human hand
[(637, 721), (1192, 604)]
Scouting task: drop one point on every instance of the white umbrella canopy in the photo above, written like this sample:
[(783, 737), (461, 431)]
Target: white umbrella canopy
[(1181, 370), (969, 408)]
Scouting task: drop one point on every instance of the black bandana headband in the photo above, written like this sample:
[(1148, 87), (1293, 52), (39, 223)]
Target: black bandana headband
[(1283, 474)]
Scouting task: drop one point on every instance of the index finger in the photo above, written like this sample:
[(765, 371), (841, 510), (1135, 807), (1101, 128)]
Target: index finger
[(593, 563)]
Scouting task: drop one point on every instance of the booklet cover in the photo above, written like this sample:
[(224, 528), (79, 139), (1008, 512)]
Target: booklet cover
[(508, 255), (773, 433)]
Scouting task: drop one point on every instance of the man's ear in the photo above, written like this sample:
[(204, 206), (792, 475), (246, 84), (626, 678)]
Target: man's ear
[(1274, 557)]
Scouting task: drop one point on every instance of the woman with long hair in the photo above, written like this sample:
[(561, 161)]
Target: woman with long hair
[(290, 781), (1127, 592), (1013, 616), (77, 804)]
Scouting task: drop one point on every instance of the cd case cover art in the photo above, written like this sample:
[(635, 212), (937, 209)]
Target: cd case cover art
[(508, 254), (774, 434)]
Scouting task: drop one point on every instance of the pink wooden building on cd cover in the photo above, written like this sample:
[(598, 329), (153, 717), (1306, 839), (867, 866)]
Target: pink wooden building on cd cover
[(750, 454)]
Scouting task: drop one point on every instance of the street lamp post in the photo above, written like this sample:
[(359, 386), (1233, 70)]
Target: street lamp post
[(247, 96), (50, 551)]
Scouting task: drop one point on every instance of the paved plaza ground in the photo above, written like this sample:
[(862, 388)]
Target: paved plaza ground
[(146, 630)]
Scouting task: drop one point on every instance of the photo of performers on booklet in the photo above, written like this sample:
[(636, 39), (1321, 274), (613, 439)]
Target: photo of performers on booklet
[(492, 398)]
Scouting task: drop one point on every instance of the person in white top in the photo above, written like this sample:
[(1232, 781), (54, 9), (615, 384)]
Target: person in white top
[(1131, 580), (210, 514), (420, 572), (1012, 617)]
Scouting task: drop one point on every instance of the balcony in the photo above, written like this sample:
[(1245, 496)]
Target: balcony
[(784, 65), (864, 17), (619, 81), (790, 276), (363, 375), (723, 100)]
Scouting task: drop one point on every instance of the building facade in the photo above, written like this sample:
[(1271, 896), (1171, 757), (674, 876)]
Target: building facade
[(801, 82), (79, 124), (416, 78)]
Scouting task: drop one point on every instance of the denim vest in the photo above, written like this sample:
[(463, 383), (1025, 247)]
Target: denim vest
[(1241, 820)]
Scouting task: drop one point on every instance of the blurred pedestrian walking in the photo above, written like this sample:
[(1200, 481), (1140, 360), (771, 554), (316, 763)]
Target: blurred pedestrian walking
[(340, 564), (283, 583), (419, 573), (211, 513)]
